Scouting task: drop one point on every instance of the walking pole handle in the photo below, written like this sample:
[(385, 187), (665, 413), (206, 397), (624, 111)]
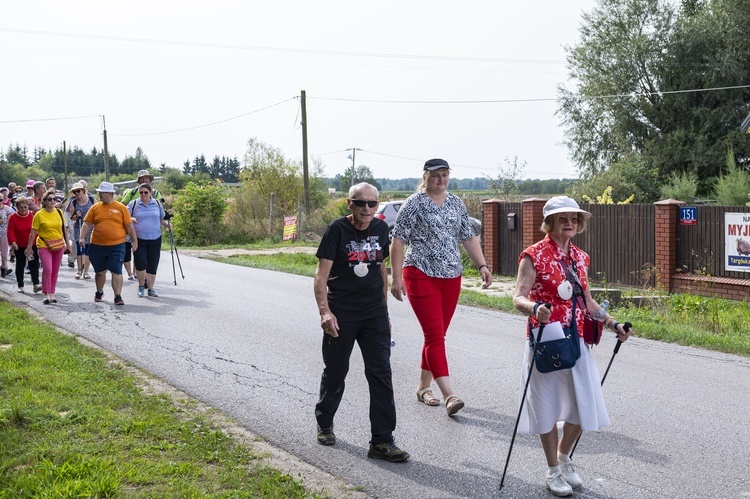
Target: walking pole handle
[(541, 326), (627, 327)]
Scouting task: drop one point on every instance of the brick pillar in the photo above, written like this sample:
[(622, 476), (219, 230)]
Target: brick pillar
[(491, 229), (532, 220), (665, 236)]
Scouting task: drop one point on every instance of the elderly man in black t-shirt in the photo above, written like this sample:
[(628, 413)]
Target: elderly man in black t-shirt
[(351, 288)]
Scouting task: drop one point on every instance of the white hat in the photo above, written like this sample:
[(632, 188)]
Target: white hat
[(77, 186), (106, 187), (563, 204)]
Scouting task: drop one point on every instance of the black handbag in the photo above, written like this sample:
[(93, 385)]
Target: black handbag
[(558, 354)]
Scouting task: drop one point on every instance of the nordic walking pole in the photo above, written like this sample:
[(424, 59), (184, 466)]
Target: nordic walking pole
[(171, 251), (179, 263), (523, 397), (626, 326)]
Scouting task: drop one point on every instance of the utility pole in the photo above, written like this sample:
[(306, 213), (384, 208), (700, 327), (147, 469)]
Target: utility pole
[(65, 164), (106, 153), (353, 155), (305, 169)]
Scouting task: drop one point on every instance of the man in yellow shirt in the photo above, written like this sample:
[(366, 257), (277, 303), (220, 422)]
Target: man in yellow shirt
[(110, 221)]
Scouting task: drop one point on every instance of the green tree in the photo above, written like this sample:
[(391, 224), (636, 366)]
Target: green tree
[(362, 173), (267, 171), (17, 155), (617, 60), (508, 178), (133, 164), (633, 60)]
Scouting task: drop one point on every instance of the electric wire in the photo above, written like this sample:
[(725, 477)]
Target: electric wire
[(505, 101), (205, 124), (32, 120), (280, 49)]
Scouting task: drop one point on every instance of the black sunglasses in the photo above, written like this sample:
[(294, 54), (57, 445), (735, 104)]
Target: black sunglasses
[(361, 203)]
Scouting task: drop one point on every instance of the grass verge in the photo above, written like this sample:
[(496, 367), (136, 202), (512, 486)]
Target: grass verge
[(75, 424), (709, 323)]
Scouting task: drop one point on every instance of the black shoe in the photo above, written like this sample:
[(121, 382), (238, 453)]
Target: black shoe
[(71, 264), (326, 436), (118, 300), (387, 451), (98, 296)]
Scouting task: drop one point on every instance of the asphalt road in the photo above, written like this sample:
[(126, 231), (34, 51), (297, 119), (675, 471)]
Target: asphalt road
[(248, 342)]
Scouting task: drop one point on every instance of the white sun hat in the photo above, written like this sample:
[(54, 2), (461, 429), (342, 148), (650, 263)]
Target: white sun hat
[(563, 204)]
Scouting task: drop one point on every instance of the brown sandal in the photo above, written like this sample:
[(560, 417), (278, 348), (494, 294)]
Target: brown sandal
[(427, 398), (453, 404)]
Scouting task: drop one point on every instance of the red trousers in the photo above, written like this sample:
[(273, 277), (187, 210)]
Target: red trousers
[(433, 300)]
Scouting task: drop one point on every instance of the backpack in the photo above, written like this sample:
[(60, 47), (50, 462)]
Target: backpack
[(133, 203)]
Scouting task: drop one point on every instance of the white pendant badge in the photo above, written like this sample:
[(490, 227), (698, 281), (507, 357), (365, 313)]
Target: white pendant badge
[(565, 290), (361, 269)]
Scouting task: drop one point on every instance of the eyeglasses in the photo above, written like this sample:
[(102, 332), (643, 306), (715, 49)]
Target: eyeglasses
[(565, 220), (361, 203), (50, 198), (143, 192), (76, 191)]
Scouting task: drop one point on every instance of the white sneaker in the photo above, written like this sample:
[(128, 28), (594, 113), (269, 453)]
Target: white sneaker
[(557, 484), (570, 475)]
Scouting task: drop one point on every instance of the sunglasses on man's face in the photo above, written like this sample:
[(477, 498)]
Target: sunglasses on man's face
[(76, 191), (361, 203)]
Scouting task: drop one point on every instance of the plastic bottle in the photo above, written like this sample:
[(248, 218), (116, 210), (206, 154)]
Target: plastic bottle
[(601, 314)]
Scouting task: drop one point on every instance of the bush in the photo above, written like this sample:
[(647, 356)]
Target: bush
[(320, 218), (733, 187), (681, 186), (199, 214)]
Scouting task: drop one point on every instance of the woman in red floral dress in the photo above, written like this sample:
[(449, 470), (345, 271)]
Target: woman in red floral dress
[(555, 271)]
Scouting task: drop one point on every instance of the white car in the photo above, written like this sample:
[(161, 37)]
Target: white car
[(388, 210)]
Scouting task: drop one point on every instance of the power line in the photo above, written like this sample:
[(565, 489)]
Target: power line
[(549, 99), (205, 124), (51, 119), (280, 49)]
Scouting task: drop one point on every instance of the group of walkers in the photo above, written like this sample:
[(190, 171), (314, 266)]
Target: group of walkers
[(42, 226), (351, 290)]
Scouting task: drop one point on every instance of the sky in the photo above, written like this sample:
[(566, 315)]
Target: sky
[(472, 82)]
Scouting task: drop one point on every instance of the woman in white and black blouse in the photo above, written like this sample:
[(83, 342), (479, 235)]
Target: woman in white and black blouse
[(432, 222)]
